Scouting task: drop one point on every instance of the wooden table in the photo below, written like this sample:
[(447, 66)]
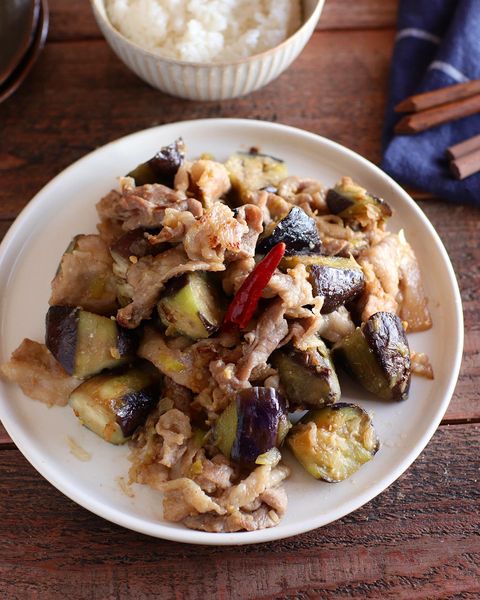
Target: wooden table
[(420, 538)]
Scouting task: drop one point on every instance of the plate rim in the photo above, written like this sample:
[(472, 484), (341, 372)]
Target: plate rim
[(272, 534)]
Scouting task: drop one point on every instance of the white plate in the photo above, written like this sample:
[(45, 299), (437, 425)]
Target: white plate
[(29, 256)]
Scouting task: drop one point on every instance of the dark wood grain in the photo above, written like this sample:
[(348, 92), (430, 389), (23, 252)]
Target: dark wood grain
[(414, 540), (74, 20)]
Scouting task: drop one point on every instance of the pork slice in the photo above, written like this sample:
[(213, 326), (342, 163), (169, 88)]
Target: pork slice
[(225, 385), (255, 503), (85, 277), (309, 192), (210, 179), (292, 287), (421, 365), (238, 520), (174, 429), (336, 325), (142, 206), (215, 475), (216, 232), (175, 224), (180, 396), (236, 273), (183, 497), (393, 282), (271, 328), (38, 374), (147, 278), (250, 216)]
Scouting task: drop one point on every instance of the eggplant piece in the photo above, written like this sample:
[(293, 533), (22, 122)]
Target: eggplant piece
[(332, 443), (352, 202), (85, 276), (308, 378), (378, 356), (191, 306), (252, 424), (337, 279), (297, 230), (113, 405), (163, 167), (254, 171), (85, 343)]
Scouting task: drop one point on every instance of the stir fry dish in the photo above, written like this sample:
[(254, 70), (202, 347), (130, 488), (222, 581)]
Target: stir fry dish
[(217, 305)]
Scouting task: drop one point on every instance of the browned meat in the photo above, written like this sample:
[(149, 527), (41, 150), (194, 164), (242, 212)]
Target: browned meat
[(183, 497), (226, 384), (175, 225), (211, 180), (85, 277), (277, 207), (293, 288), (336, 325), (110, 229), (188, 367), (271, 328), (213, 475), (304, 192), (214, 233), (260, 198), (393, 282), (147, 277), (236, 273), (421, 365), (142, 206), (250, 216), (180, 396), (39, 375), (174, 429), (254, 503)]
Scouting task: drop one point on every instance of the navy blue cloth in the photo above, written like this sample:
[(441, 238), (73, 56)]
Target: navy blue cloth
[(438, 44)]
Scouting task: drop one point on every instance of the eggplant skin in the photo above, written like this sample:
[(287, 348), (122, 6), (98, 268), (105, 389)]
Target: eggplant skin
[(61, 324), (252, 424), (135, 408), (297, 230), (333, 442), (113, 405), (162, 167), (378, 356), (308, 378), (336, 285), (191, 306), (386, 337), (352, 202), (85, 343)]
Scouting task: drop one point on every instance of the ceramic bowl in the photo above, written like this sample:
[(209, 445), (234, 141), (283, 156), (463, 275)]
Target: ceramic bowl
[(209, 81)]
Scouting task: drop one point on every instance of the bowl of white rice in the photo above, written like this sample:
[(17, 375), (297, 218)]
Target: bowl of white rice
[(207, 49)]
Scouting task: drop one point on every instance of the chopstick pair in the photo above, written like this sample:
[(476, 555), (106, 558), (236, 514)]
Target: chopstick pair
[(465, 158), (437, 107), (440, 106)]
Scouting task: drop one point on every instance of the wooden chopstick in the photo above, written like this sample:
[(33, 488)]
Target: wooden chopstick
[(419, 121), (450, 93), (466, 165), (463, 148)]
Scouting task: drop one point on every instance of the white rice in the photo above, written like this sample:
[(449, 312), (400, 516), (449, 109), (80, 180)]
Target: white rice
[(205, 30)]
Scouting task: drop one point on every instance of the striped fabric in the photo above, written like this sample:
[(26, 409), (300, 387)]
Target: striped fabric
[(437, 44)]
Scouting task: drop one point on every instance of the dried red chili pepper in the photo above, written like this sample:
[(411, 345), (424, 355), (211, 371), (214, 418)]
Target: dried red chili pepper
[(246, 300)]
